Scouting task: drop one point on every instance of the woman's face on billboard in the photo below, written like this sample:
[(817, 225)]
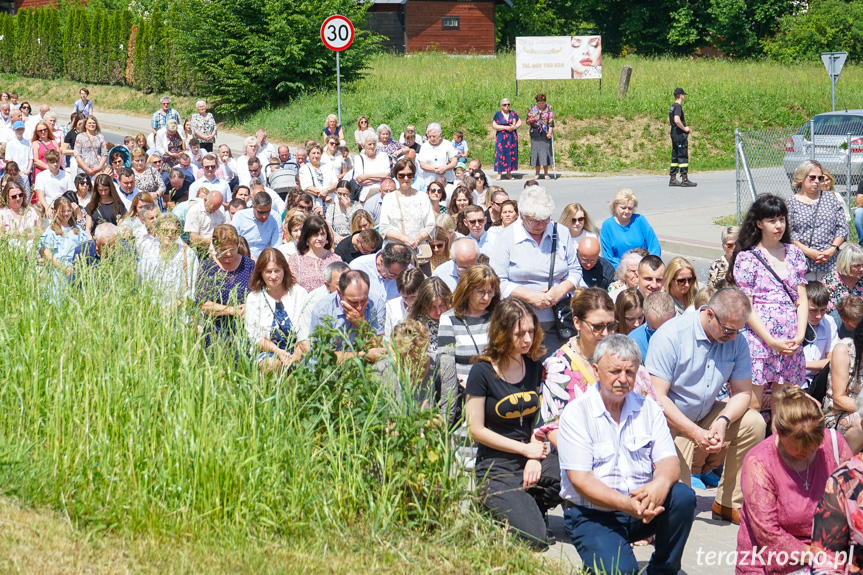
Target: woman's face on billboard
[(586, 53)]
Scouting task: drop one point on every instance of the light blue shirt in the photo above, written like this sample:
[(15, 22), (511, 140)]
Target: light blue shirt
[(258, 235), (216, 185), (520, 262), (642, 337), (448, 273), (373, 207), (330, 306), (368, 264), (681, 353)]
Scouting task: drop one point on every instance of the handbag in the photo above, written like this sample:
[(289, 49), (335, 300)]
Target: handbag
[(424, 251), (563, 320)]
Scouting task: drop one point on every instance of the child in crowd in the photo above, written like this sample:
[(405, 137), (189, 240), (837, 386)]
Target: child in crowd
[(13, 101), (460, 146), (129, 143), (850, 311), (719, 268), (818, 350), (195, 153)]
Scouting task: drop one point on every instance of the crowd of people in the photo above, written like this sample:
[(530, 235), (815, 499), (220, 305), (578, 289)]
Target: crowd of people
[(588, 371)]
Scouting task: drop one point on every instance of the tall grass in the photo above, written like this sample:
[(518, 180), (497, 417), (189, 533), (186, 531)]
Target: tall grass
[(114, 414), (596, 131)]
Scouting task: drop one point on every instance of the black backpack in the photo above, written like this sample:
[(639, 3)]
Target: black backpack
[(818, 388)]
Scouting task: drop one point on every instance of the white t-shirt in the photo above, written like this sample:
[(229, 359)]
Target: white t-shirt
[(20, 152), (826, 338), (365, 165), (438, 156), (53, 186), (312, 177)]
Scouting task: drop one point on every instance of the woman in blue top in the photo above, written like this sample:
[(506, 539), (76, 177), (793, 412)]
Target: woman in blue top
[(333, 128), (625, 230), (58, 242)]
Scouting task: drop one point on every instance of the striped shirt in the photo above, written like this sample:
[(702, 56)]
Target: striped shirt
[(621, 456), (464, 336)]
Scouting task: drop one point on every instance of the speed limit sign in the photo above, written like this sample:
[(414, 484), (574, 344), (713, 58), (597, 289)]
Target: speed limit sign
[(337, 33)]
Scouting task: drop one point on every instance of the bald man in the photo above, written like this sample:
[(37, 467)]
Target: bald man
[(596, 271), (203, 217)]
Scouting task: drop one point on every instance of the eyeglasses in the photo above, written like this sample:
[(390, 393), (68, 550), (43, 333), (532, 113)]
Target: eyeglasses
[(578, 220), (817, 178), (729, 244), (403, 176), (534, 222), (485, 293), (504, 105), (157, 162), (598, 328), (209, 167), (262, 213), (26, 108), (724, 329), (684, 281), (475, 222), (434, 190)]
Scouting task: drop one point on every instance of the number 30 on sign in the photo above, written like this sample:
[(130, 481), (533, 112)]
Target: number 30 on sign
[(337, 33)]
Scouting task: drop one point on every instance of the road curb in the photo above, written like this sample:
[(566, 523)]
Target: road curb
[(691, 249)]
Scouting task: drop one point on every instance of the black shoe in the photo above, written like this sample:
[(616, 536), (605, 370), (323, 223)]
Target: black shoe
[(672, 183), (686, 182)]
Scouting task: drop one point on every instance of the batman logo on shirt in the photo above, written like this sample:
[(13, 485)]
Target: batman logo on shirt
[(510, 407)]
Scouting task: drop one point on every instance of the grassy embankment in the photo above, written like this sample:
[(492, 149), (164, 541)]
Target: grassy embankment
[(596, 132), (157, 457)]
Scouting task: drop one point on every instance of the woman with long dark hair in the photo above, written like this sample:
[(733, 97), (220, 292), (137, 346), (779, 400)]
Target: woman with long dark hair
[(768, 268), (105, 205), (517, 478), (313, 254)]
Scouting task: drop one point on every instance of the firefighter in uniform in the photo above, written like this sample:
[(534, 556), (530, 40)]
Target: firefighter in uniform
[(679, 142)]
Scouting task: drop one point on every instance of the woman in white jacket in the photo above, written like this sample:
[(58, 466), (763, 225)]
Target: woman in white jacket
[(277, 315)]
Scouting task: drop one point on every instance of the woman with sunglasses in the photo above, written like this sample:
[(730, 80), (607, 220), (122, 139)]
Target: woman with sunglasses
[(13, 174), (681, 283), (568, 372), (42, 141), (341, 210), (83, 195), (770, 270), (28, 119), (480, 189), (816, 220), (407, 215), (362, 132), (148, 179), (576, 218), (437, 195), (505, 123), (16, 216)]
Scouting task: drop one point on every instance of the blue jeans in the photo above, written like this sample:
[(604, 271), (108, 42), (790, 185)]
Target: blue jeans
[(602, 538), (858, 223)]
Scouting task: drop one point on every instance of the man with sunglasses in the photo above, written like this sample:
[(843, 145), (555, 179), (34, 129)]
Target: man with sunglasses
[(689, 359), (258, 225), (474, 219), (210, 181), (492, 214)]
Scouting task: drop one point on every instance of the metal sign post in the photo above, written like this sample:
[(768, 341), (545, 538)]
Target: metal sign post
[(337, 34), (834, 61)]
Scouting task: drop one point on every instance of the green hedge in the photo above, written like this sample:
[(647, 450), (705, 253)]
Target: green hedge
[(92, 46)]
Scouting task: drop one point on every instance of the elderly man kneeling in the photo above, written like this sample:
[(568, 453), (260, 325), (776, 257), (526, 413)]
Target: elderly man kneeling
[(620, 469)]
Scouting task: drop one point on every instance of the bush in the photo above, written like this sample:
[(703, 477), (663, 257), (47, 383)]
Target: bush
[(828, 26)]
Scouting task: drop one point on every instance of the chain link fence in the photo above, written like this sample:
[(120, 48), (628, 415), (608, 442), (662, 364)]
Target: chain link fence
[(766, 159)]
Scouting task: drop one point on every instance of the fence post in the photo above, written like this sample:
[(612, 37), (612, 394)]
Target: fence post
[(737, 170), (746, 171), (812, 139), (848, 172)]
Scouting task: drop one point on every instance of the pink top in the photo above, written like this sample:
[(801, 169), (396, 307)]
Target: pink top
[(777, 510), (309, 270)]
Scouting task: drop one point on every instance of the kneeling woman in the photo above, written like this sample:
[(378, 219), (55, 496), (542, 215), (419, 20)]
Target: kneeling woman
[(277, 320), (519, 481)]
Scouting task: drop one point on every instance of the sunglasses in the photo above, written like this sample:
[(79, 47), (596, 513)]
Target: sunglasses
[(684, 281), (407, 176), (304, 208), (578, 220), (437, 246), (16, 196), (434, 190), (475, 222), (817, 178), (598, 328)]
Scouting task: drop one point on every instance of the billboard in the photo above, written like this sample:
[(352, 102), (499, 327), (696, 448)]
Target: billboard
[(558, 57)]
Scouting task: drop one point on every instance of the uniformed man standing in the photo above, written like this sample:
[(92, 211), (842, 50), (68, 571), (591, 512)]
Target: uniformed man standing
[(679, 142)]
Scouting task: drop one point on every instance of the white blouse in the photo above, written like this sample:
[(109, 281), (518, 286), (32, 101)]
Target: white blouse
[(416, 213), (172, 279), (260, 308)]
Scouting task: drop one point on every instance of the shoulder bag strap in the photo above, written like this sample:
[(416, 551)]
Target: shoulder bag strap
[(835, 446), (553, 255), (467, 328), (402, 220), (758, 256)]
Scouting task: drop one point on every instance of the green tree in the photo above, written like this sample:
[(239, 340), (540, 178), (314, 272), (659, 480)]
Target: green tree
[(828, 26), (255, 53)]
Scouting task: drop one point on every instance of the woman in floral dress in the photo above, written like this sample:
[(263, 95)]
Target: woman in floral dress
[(540, 118), (770, 270), (505, 123)]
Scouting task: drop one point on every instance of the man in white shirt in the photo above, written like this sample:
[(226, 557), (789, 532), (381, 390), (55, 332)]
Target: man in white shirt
[(5, 118), (51, 183), (18, 150), (210, 181), (257, 185), (437, 157), (126, 186), (474, 219), (202, 218), (620, 471)]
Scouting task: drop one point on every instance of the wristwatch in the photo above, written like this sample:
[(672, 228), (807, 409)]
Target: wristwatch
[(727, 421)]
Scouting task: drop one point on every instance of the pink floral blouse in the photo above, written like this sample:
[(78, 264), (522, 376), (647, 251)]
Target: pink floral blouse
[(838, 522), (309, 271)]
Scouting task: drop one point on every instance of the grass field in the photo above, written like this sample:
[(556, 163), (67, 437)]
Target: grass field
[(596, 132), (159, 457)]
